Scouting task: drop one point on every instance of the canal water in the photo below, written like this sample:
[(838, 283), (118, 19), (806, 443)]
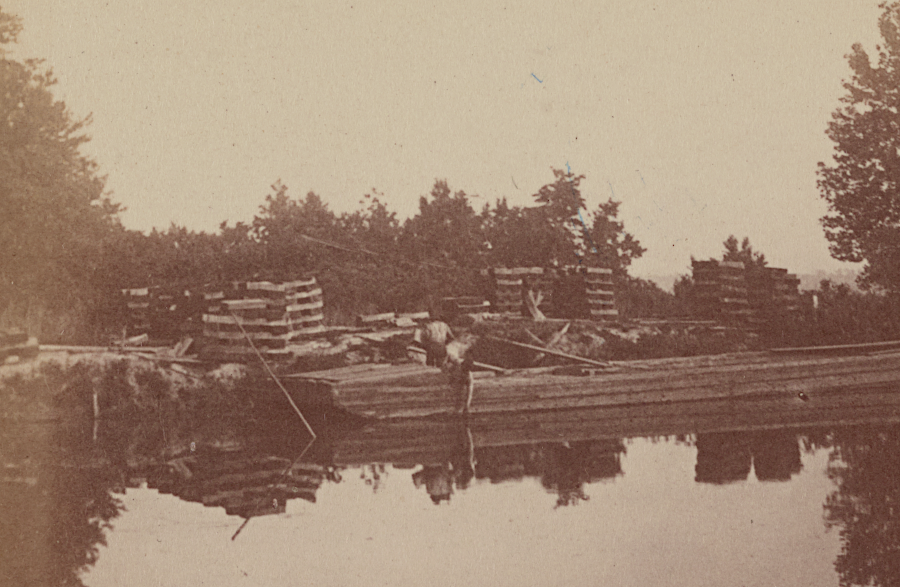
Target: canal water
[(452, 502)]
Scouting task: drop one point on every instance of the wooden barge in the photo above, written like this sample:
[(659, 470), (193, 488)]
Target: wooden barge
[(802, 379)]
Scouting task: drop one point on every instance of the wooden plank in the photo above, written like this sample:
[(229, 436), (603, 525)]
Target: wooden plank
[(892, 344), (253, 304)]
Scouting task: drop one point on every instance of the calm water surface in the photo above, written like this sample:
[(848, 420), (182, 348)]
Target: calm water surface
[(454, 503)]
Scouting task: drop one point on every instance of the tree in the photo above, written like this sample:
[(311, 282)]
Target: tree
[(284, 227), (862, 185), (555, 233), (609, 245), (446, 230), (745, 254), (864, 469), (56, 220)]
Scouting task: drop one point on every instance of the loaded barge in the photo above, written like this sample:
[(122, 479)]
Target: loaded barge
[(793, 379)]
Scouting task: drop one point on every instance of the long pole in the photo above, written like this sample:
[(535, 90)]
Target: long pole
[(274, 377), (548, 351)]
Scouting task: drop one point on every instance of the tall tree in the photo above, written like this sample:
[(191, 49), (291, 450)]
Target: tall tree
[(446, 230), (862, 185), (284, 227), (609, 245), (55, 216)]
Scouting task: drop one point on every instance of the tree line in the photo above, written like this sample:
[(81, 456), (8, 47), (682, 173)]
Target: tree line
[(66, 254)]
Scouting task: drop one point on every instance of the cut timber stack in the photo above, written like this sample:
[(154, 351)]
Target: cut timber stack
[(756, 297), (164, 314), (451, 308), (774, 296), (721, 291), (569, 292), (272, 315), (600, 294), (506, 289), (137, 311)]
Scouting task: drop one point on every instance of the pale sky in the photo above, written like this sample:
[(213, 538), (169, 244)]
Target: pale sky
[(704, 118)]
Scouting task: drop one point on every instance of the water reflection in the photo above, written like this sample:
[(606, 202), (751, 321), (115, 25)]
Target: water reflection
[(243, 483), (563, 468), (55, 508), (62, 481), (865, 467), (727, 457)]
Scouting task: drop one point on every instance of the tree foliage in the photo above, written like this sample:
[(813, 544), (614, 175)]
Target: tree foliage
[(56, 221), (743, 254), (66, 255), (862, 185)]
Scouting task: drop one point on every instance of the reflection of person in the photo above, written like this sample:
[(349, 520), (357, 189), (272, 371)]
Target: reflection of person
[(459, 470), (565, 473), (438, 481)]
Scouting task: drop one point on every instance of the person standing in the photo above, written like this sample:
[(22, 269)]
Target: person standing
[(433, 337)]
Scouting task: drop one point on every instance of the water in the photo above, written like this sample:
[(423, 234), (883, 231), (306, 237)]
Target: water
[(455, 502)]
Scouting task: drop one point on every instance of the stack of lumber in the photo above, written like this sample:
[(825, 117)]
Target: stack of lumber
[(722, 291), (137, 311), (774, 296), (600, 293), (553, 290), (272, 315), (162, 313), (451, 308), (506, 289)]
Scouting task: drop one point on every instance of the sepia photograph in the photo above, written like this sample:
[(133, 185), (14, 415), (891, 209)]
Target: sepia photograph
[(460, 294)]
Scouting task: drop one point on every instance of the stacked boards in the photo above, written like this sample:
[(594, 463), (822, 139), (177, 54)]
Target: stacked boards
[(270, 315), (564, 292)]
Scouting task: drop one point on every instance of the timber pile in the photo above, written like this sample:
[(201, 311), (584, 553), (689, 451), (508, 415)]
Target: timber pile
[(773, 294), (600, 293), (162, 314), (272, 315), (452, 308), (568, 292), (721, 291), (506, 289), (734, 294), (137, 311)]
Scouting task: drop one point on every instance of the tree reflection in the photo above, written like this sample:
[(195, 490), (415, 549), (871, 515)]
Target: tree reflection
[(865, 467), (727, 457), (563, 468), (54, 509)]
